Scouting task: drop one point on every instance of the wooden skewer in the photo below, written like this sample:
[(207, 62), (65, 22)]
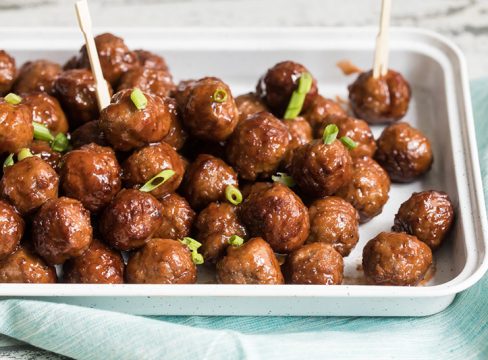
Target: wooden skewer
[(380, 67), (84, 21)]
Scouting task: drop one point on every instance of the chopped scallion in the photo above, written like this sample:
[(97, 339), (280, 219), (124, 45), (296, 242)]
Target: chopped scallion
[(298, 96), (191, 243), (219, 96), (60, 143), (157, 180), (236, 240), (13, 99), (330, 134), (9, 161), (196, 258), (348, 142), (138, 98), (233, 195), (23, 154), (41, 132), (283, 178)]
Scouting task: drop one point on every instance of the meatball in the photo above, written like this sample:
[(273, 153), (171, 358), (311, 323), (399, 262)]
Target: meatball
[(278, 84), (314, 264), (61, 230), (258, 146), (16, 130), (206, 179), (88, 133), (214, 226), (177, 216), (251, 263), (131, 219), (150, 80), (277, 214), (150, 60), (115, 57), (91, 175), (300, 134), (334, 221), (149, 161), (249, 104), (381, 100), (46, 153), (428, 215), (23, 266), (38, 75), (126, 127), (46, 110), (396, 259), (404, 152), (210, 112), (11, 229), (321, 111), (29, 183), (8, 71), (368, 189), (97, 265), (320, 169), (177, 134), (162, 261)]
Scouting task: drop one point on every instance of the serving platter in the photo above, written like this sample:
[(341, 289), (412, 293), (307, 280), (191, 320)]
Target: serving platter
[(440, 107)]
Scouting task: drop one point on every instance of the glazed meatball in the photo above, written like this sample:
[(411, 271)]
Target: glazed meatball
[(277, 214), (38, 75), (258, 146), (115, 57), (149, 161), (43, 150), (23, 266), (131, 219), (182, 93), (320, 112), (314, 264), (46, 110), (177, 134), (126, 127), (334, 221), (404, 152), (150, 60), (320, 169), (249, 104), (368, 189), (278, 84), (214, 226), (88, 133), (300, 134), (91, 174), (206, 179), (29, 183), (11, 229), (149, 80), (251, 263), (61, 230), (396, 259), (177, 216), (428, 215), (210, 112), (97, 265), (162, 261), (380, 100), (16, 130), (8, 71)]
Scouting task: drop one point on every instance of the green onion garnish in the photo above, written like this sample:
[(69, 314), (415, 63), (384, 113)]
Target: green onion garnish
[(41, 132), (13, 99), (193, 245), (9, 161), (219, 96), (236, 240), (283, 178), (233, 195), (298, 96), (138, 98), (349, 143), (196, 258), (60, 143), (157, 180), (330, 134), (23, 154)]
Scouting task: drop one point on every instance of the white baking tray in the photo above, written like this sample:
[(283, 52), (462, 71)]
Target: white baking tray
[(440, 107)]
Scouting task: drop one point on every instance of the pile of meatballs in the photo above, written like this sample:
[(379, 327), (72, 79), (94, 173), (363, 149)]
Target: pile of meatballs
[(258, 196)]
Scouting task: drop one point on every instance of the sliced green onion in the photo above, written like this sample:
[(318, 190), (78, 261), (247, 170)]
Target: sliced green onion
[(192, 244), (41, 132), (219, 96), (23, 154), (298, 96), (233, 195), (157, 180), (236, 240), (60, 143), (138, 98), (13, 99), (9, 161), (349, 143), (330, 134), (283, 178), (196, 258)]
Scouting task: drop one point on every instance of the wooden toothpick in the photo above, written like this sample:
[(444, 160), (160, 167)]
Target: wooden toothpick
[(380, 67), (84, 21)]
